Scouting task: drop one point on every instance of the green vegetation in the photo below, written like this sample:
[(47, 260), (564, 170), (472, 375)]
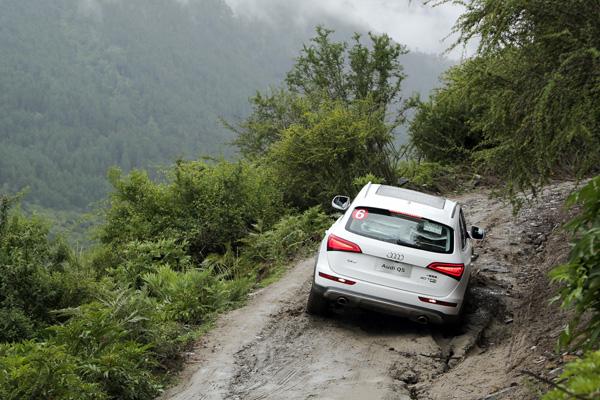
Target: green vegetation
[(332, 122), (581, 274), (526, 107), (110, 325), (91, 84), (580, 292), (178, 247), (581, 377)]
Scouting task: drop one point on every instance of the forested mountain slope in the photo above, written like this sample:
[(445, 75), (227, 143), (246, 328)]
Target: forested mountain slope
[(87, 84)]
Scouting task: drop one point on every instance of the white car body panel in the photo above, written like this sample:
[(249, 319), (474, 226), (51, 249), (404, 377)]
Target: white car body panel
[(393, 275)]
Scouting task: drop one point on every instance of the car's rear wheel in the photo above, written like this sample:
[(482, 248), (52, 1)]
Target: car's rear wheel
[(317, 304)]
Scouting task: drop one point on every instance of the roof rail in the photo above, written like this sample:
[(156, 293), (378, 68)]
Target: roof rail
[(368, 188), (454, 210)]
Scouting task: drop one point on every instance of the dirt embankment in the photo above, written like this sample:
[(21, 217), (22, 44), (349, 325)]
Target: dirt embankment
[(271, 349)]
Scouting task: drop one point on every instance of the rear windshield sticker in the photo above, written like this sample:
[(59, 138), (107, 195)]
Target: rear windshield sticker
[(360, 213), (432, 227)]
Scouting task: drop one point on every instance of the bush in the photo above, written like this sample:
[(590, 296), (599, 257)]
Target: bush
[(38, 275), (433, 176), (41, 371), (15, 325), (287, 238), (204, 206), (138, 258), (444, 127), (319, 159), (123, 370), (188, 296), (581, 379), (580, 276), (115, 338)]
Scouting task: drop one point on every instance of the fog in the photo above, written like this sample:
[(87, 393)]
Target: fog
[(420, 27)]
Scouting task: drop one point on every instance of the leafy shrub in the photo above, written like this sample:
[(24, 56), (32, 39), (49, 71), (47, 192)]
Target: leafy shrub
[(114, 337), (37, 275), (205, 206), (580, 276), (319, 159), (526, 107), (187, 296), (581, 379), (433, 176), (123, 370), (41, 371), (137, 258), (444, 127), (287, 238), (15, 325), (124, 315)]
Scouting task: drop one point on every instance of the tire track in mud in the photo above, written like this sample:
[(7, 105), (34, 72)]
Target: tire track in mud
[(271, 349)]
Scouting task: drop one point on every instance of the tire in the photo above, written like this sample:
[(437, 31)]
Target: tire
[(317, 304)]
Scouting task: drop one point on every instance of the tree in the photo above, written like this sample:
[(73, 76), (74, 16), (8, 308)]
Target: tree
[(314, 161), (443, 127), (536, 77), (329, 71)]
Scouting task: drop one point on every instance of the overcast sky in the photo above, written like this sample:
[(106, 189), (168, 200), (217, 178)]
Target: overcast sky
[(418, 26)]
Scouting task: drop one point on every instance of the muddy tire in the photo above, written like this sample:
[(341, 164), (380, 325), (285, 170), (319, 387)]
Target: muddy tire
[(317, 304)]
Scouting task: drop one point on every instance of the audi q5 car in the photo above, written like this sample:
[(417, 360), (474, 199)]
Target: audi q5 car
[(397, 251)]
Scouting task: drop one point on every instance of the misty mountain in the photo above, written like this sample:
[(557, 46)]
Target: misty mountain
[(87, 84)]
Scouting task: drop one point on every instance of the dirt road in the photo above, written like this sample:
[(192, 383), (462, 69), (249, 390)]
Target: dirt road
[(271, 349)]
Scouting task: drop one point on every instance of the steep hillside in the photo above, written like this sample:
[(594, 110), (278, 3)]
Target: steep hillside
[(87, 84)]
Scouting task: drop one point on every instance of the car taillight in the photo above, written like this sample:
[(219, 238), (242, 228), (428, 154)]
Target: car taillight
[(335, 243), (336, 278), (452, 270)]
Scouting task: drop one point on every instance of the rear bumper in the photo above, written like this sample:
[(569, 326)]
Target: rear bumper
[(364, 301)]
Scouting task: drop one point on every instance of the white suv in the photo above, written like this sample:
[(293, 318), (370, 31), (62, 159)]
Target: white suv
[(396, 251)]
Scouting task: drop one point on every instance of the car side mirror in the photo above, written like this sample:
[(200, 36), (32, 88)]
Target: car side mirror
[(340, 203), (477, 233)]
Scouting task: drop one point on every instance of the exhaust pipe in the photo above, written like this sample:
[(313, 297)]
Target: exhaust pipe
[(422, 319), (342, 301)]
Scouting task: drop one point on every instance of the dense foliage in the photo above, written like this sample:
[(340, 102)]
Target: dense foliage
[(581, 274), (38, 275), (109, 325), (580, 291), (319, 158), (202, 206), (582, 380), (527, 106), (333, 122)]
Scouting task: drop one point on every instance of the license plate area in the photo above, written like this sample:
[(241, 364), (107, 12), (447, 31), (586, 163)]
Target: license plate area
[(394, 268)]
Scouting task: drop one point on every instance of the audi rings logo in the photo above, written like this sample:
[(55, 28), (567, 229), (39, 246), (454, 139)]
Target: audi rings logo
[(395, 256)]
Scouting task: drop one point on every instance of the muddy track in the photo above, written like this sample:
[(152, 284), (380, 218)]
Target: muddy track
[(271, 349)]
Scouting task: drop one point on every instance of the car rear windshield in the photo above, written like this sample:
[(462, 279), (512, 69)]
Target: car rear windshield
[(401, 229)]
